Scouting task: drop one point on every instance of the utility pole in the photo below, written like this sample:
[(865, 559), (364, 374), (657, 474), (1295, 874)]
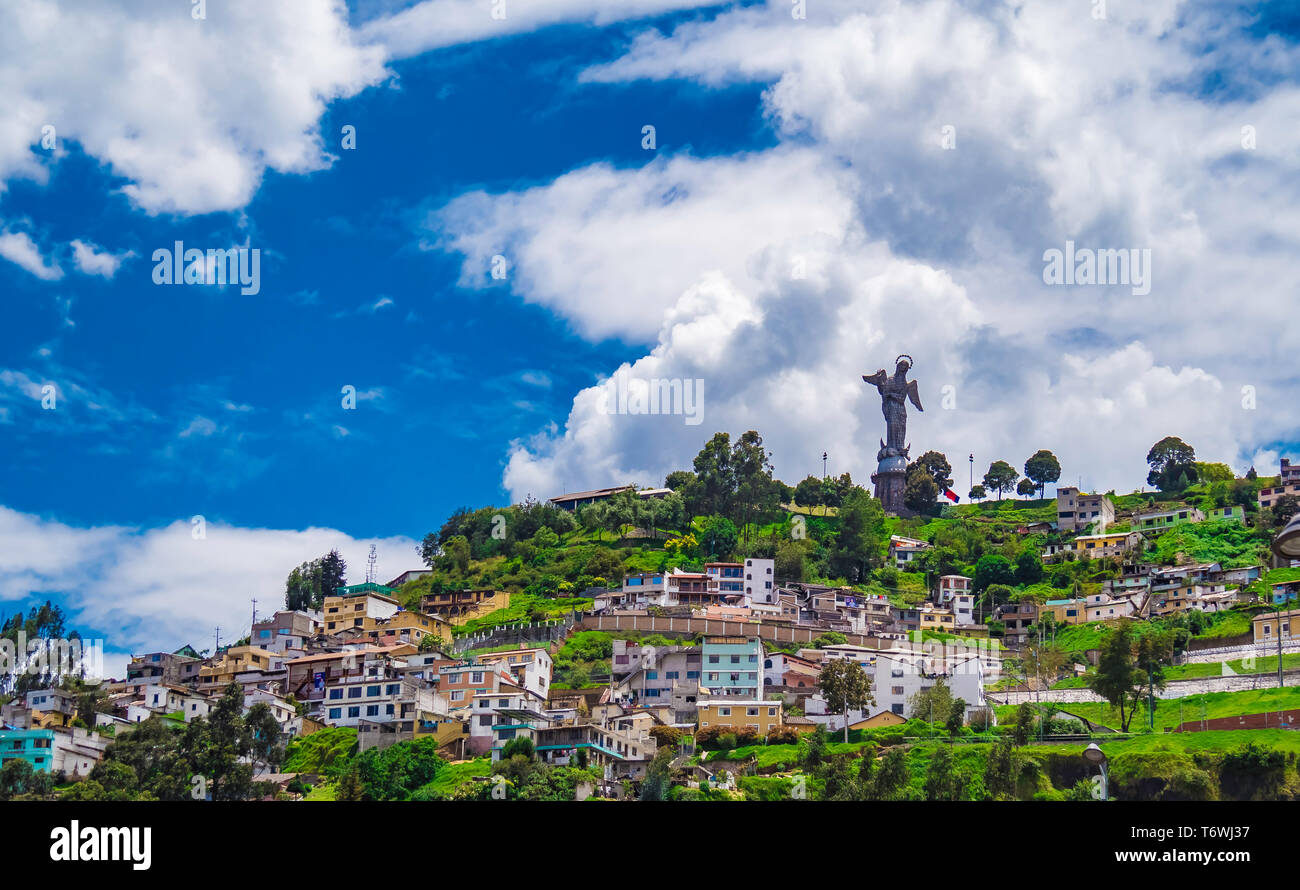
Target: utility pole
[(1280, 682), (217, 642), (972, 470), (250, 630), (824, 476)]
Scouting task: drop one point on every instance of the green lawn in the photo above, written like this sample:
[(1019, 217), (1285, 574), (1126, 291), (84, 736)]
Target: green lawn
[(451, 776), (1194, 707), (1216, 740), (317, 752)]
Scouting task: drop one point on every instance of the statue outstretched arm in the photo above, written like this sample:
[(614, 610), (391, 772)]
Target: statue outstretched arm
[(914, 394)]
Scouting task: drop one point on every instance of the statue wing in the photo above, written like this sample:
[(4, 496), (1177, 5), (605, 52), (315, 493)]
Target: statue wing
[(877, 378), (914, 394)]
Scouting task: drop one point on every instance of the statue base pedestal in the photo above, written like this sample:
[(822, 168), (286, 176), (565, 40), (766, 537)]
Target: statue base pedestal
[(889, 491), (890, 479)]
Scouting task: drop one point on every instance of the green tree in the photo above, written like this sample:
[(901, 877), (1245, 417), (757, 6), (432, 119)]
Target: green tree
[(936, 466), (1026, 488), (1171, 463), (333, 573), (977, 493), (860, 539), (1283, 509), (717, 535), (1029, 567), (846, 687), (920, 493), (1000, 477), (1117, 678), (1000, 770), (942, 780), (932, 705), (893, 776), (455, 554), (1042, 468), (810, 492), (1213, 472), (16, 777), (956, 717), (1024, 728), (992, 568)]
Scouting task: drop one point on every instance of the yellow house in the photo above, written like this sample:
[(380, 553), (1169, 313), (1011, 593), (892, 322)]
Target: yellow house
[(1265, 626), (462, 606), (408, 626), (235, 660), (370, 610), (737, 714), (878, 721), (1097, 546), (936, 619)]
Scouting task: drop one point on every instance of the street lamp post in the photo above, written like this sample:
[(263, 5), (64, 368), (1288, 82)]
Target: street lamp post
[(1094, 755)]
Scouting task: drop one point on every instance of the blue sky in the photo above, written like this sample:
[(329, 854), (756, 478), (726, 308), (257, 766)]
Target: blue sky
[(913, 159), (454, 374)]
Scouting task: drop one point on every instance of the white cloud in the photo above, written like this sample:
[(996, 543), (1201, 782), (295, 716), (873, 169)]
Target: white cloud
[(92, 260), (190, 113), (19, 248), (199, 426), (612, 250), (433, 24), (1065, 127), (157, 588)]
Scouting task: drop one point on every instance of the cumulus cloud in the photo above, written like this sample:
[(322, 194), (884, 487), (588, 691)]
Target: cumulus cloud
[(145, 589), (20, 249), (612, 249), (93, 260), (190, 113), (942, 147)]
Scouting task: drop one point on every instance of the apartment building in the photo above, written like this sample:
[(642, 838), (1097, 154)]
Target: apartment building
[(460, 682), (181, 666), (760, 582), (531, 668), (286, 631), (1076, 510), (351, 606), (1288, 483), (732, 667)]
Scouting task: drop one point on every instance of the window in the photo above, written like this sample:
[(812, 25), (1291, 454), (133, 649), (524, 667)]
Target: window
[(354, 711), (751, 712), (372, 710), (724, 712), (372, 691)]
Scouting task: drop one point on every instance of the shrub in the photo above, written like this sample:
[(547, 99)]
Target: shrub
[(783, 735)]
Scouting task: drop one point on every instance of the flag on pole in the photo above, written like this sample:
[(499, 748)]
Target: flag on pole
[(951, 495)]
